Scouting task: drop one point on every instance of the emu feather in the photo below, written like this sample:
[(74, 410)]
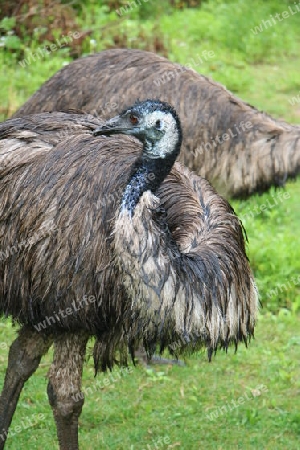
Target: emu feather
[(174, 270), (239, 149)]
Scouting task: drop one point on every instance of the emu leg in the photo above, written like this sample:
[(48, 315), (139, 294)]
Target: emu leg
[(64, 387), (23, 359)]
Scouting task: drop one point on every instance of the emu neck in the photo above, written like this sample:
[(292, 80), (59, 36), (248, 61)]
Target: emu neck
[(147, 174)]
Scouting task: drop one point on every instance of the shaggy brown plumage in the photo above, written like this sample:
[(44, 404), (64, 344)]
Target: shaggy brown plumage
[(176, 271), (237, 148)]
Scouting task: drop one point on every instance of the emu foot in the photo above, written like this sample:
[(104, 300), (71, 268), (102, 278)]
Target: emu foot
[(156, 359), (143, 359)]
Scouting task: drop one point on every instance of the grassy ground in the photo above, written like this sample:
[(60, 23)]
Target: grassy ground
[(243, 401)]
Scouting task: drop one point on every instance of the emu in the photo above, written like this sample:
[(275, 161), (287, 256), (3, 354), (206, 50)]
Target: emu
[(165, 260), (240, 150)]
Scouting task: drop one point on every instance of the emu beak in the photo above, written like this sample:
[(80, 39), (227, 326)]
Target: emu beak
[(113, 126)]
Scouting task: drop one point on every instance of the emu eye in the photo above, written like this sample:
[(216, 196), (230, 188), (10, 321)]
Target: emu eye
[(158, 124), (133, 119)]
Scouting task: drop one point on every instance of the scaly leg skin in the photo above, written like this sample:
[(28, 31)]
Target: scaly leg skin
[(24, 357), (64, 387)]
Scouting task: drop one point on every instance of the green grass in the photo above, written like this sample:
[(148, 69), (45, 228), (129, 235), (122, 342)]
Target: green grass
[(274, 244), (175, 402)]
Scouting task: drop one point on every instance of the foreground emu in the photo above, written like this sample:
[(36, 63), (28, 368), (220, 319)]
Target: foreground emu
[(237, 148), (109, 218)]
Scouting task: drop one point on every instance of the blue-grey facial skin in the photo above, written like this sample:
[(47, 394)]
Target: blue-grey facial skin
[(157, 126), (153, 122)]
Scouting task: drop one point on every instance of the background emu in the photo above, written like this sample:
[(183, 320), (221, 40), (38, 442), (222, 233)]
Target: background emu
[(161, 268), (237, 148)]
